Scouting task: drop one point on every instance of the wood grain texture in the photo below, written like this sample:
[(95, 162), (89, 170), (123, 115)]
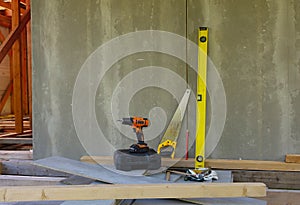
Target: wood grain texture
[(8, 154), (134, 191), (292, 158), (273, 179)]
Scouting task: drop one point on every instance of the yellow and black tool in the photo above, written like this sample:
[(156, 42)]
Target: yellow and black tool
[(201, 97), (167, 145)]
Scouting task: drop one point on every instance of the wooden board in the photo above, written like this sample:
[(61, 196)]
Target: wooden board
[(213, 163), (6, 155), (93, 171), (15, 140), (15, 180), (252, 165), (134, 191), (273, 179), (292, 158)]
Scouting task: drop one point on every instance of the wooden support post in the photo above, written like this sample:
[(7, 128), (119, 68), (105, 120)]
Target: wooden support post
[(24, 71), (12, 109), (134, 191), (29, 66), (17, 74)]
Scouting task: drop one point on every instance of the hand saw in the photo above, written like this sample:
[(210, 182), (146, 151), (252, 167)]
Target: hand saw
[(169, 140)]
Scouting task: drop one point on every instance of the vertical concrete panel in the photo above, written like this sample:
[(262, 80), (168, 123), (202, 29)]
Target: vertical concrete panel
[(65, 33), (253, 46)]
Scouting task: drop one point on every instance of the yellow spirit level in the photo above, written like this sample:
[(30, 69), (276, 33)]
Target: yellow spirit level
[(201, 97)]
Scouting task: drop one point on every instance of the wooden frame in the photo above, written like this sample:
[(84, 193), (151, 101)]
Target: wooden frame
[(134, 191), (18, 41)]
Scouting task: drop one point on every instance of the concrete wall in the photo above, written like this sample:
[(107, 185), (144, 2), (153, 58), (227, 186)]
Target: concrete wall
[(254, 46)]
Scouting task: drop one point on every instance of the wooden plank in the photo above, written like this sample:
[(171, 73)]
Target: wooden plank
[(93, 171), (24, 71), (134, 191), (273, 179), (15, 140), (29, 66), (13, 180), (252, 165), (7, 154), (16, 134), (213, 163), (17, 72), (292, 158), (7, 5)]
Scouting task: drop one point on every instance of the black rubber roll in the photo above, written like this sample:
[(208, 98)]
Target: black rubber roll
[(127, 161)]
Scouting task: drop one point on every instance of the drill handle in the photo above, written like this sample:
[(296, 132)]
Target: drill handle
[(139, 134)]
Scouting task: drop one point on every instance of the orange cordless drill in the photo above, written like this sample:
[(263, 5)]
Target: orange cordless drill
[(137, 123)]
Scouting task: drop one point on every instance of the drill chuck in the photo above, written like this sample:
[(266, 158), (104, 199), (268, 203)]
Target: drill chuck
[(127, 121)]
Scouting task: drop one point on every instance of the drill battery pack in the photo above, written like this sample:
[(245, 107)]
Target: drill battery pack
[(126, 161)]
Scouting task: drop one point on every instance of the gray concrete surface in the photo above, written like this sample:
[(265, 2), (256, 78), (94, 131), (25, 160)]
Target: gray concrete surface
[(254, 45)]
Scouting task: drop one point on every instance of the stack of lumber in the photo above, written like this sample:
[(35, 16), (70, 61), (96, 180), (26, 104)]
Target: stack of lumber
[(275, 174), (9, 140), (110, 186), (7, 124)]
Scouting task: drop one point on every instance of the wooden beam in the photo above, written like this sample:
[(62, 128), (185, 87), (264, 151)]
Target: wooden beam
[(292, 158), (15, 140), (252, 165), (7, 5), (5, 21), (13, 180), (134, 191), (17, 72), (5, 97), (15, 134), (29, 66), (7, 155), (273, 179), (24, 71), (213, 163), (13, 36)]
